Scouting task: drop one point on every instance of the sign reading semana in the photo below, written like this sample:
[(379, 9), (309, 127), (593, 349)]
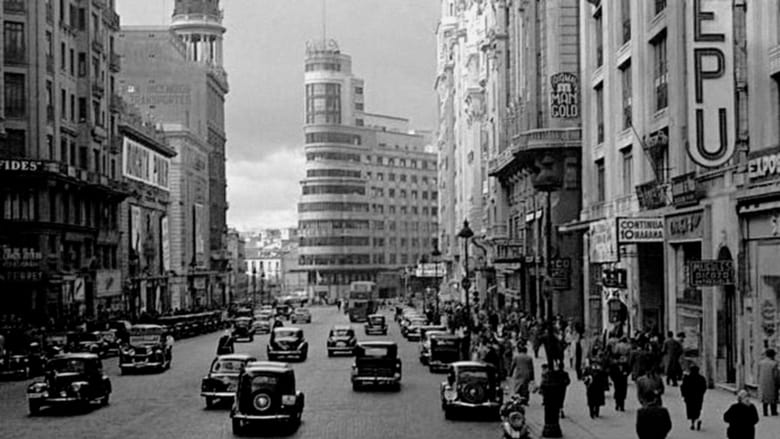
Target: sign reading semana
[(711, 84), (640, 230), (144, 165)]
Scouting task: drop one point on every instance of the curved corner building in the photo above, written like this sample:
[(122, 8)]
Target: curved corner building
[(368, 203)]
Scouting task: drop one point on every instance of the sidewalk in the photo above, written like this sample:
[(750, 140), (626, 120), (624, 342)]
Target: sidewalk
[(622, 425)]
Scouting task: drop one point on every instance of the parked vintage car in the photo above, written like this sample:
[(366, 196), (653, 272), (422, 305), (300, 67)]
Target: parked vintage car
[(412, 332), (266, 394), (242, 329), (149, 346), (376, 363), (341, 339), (15, 365), (425, 344), (301, 315), (471, 386), (76, 379), (221, 382), (287, 342), (376, 325), (444, 350)]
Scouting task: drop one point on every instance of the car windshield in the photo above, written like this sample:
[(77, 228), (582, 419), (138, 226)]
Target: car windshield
[(375, 351), (473, 375), (341, 333), (145, 338), (69, 365), (279, 333), (430, 334), (227, 366), (377, 319), (265, 380), (89, 337)]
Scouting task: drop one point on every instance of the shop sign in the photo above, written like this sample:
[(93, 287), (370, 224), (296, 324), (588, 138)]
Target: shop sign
[(710, 273), (685, 227), (603, 241), (560, 273), (564, 96), (769, 317), (686, 190), (430, 270), (711, 82), (79, 290), (21, 276), (617, 278), (108, 283), (510, 252), (764, 165), (21, 165), (145, 165), (640, 230), (651, 195), (15, 258)]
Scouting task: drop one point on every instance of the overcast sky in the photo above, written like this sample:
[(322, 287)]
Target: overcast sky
[(393, 47)]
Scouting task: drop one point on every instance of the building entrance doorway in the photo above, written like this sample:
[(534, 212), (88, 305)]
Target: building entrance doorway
[(727, 328)]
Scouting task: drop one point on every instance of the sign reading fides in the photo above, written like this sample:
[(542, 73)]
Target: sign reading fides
[(711, 82)]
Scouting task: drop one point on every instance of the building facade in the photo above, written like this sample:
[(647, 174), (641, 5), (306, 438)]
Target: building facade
[(61, 183), (238, 276), (369, 197)]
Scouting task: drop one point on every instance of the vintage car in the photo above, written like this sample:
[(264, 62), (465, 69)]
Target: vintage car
[(263, 323), (341, 339), (376, 363), (70, 379), (471, 386), (376, 325), (266, 394), (287, 342), (444, 349), (149, 346), (301, 315), (111, 341), (425, 344), (222, 381), (283, 311), (15, 365), (412, 332), (90, 342), (242, 329), (407, 320)]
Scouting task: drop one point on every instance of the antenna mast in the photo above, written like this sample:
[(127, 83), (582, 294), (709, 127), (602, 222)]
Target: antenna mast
[(324, 19)]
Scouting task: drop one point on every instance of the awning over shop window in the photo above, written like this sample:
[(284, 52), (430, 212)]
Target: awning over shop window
[(575, 226)]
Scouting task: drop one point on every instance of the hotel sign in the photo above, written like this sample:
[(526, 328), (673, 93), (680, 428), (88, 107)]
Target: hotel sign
[(144, 165), (640, 230), (711, 84)]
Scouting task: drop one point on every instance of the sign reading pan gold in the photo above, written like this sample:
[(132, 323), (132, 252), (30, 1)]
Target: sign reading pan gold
[(640, 230), (710, 273)]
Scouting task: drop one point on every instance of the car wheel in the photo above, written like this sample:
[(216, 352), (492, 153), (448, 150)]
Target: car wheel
[(355, 387), (448, 413), (35, 408), (251, 338), (209, 402), (105, 400), (123, 371), (238, 429), (330, 353), (304, 355)]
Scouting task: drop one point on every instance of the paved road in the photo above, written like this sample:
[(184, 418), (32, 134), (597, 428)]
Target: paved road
[(168, 405)]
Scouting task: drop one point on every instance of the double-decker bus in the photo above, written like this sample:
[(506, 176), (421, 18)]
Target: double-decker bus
[(363, 300)]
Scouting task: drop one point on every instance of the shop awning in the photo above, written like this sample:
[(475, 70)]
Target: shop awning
[(575, 226), (759, 207)]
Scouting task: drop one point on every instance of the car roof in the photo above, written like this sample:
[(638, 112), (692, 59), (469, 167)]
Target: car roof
[(240, 357), (470, 364), (265, 366), (147, 326), (302, 310), (339, 327), (76, 356), (376, 315), (287, 329), (443, 334), (377, 343)]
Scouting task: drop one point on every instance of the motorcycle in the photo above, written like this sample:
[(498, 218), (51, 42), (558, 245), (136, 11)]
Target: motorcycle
[(513, 423)]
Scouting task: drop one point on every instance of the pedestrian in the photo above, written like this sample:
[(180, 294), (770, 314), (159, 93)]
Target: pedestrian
[(693, 388), (618, 372), (653, 421), (768, 382), (649, 388), (596, 383), (672, 351), (522, 371), (742, 418)]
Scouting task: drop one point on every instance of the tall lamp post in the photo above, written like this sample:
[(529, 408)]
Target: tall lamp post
[(421, 264), (262, 279), (435, 255), (254, 284), (466, 233)]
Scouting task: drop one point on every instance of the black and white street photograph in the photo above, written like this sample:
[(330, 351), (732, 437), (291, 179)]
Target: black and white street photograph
[(390, 219)]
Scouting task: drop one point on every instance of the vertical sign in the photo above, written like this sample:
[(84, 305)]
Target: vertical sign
[(135, 232), (166, 246), (603, 241), (711, 84), (564, 96), (198, 226)]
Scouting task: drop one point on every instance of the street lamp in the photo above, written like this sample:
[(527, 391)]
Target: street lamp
[(254, 284), (435, 255), (466, 233), (421, 264)]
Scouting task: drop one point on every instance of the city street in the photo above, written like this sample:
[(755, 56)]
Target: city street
[(168, 405)]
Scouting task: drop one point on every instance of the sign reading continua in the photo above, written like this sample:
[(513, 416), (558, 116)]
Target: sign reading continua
[(710, 273), (640, 230)]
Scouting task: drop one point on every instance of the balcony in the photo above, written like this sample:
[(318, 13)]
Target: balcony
[(529, 143), (115, 103), (115, 62), (97, 43), (98, 88), (497, 231), (112, 18), (14, 6)]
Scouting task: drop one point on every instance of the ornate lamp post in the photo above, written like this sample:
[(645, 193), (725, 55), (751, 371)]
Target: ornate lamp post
[(466, 233)]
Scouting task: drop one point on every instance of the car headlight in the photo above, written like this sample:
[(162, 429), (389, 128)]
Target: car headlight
[(37, 387), (450, 394), (129, 352), (77, 386), (288, 399)]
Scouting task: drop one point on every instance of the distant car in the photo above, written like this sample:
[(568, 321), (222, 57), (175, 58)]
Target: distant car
[(471, 386), (341, 339), (301, 315), (287, 342), (91, 342), (149, 346), (266, 393), (262, 324), (70, 379), (111, 341), (283, 311), (425, 344), (242, 329), (407, 320), (444, 349), (15, 365), (376, 325), (412, 332), (376, 363), (267, 309), (221, 382)]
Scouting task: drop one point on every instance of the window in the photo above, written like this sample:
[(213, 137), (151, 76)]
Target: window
[(358, 90), (391, 176), (414, 178), (16, 143), (625, 15), (82, 110), (63, 150), (359, 106), (599, 38), (82, 64), (660, 5), (660, 162), (360, 123), (63, 54), (403, 178), (660, 73), (628, 170), (73, 108), (72, 62), (13, 42), (391, 193), (323, 103), (600, 183), (599, 91), (625, 76), (15, 99)]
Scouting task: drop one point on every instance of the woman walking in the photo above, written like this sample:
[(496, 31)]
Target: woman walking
[(742, 418), (596, 383), (693, 387)]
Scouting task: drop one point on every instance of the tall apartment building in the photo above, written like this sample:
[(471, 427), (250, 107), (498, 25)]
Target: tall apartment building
[(60, 185), (174, 75), (369, 197)]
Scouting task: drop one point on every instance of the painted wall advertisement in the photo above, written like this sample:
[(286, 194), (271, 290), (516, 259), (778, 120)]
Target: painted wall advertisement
[(145, 165), (711, 84), (603, 241), (108, 283), (165, 243), (640, 230), (564, 95)]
